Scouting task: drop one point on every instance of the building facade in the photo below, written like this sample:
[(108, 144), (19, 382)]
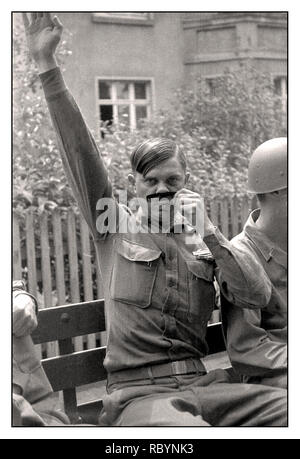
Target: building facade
[(124, 66)]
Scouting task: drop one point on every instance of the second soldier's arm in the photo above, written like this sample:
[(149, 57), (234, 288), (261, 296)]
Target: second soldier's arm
[(253, 353), (241, 278)]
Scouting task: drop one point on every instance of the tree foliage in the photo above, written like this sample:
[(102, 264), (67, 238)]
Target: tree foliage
[(217, 130), (38, 176)]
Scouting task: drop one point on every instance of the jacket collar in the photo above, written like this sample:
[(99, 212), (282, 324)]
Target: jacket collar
[(262, 242)]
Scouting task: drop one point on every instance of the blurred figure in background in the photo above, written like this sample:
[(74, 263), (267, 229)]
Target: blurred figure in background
[(34, 403)]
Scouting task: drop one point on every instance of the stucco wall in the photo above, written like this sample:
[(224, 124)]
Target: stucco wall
[(215, 44), (107, 49)]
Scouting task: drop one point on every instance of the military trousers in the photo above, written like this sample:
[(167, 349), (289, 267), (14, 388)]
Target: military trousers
[(194, 401)]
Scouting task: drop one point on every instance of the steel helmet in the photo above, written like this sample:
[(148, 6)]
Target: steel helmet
[(267, 170)]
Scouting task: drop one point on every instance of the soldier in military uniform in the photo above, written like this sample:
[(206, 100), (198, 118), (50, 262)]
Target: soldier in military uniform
[(257, 339)]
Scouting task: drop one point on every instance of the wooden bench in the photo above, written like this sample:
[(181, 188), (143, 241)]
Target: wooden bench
[(70, 369)]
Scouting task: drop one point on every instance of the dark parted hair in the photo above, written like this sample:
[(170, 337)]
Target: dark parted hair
[(152, 152)]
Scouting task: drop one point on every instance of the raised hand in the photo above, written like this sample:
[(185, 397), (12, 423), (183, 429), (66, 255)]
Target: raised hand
[(43, 35)]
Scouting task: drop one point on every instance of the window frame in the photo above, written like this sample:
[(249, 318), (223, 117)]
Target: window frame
[(131, 102), (284, 89)]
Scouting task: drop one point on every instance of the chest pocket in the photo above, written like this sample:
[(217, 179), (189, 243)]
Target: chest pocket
[(201, 291), (134, 273)]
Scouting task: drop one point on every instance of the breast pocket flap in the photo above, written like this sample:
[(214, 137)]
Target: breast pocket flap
[(137, 253)]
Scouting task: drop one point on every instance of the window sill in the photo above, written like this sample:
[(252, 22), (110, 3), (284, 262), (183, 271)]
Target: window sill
[(149, 22)]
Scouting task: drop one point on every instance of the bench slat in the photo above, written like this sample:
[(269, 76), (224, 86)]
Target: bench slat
[(68, 321), (85, 367), (77, 369)]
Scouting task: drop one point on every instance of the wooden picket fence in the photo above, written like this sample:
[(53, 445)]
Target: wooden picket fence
[(54, 253)]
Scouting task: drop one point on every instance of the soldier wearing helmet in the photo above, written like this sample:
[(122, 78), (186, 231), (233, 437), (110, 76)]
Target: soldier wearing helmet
[(257, 340)]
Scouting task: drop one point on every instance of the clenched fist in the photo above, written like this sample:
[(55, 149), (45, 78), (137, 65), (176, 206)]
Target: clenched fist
[(193, 209)]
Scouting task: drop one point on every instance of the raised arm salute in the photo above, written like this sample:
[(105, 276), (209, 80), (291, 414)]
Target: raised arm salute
[(81, 159), (158, 285)]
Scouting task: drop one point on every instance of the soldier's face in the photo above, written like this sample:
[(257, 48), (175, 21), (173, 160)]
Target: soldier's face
[(280, 202), (168, 177), (283, 200)]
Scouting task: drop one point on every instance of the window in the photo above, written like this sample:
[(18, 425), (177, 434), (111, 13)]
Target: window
[(280, 89), (213, 86), (122, 101)]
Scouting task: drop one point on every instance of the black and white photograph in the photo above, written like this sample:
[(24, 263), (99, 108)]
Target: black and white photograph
[(149, 215)]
